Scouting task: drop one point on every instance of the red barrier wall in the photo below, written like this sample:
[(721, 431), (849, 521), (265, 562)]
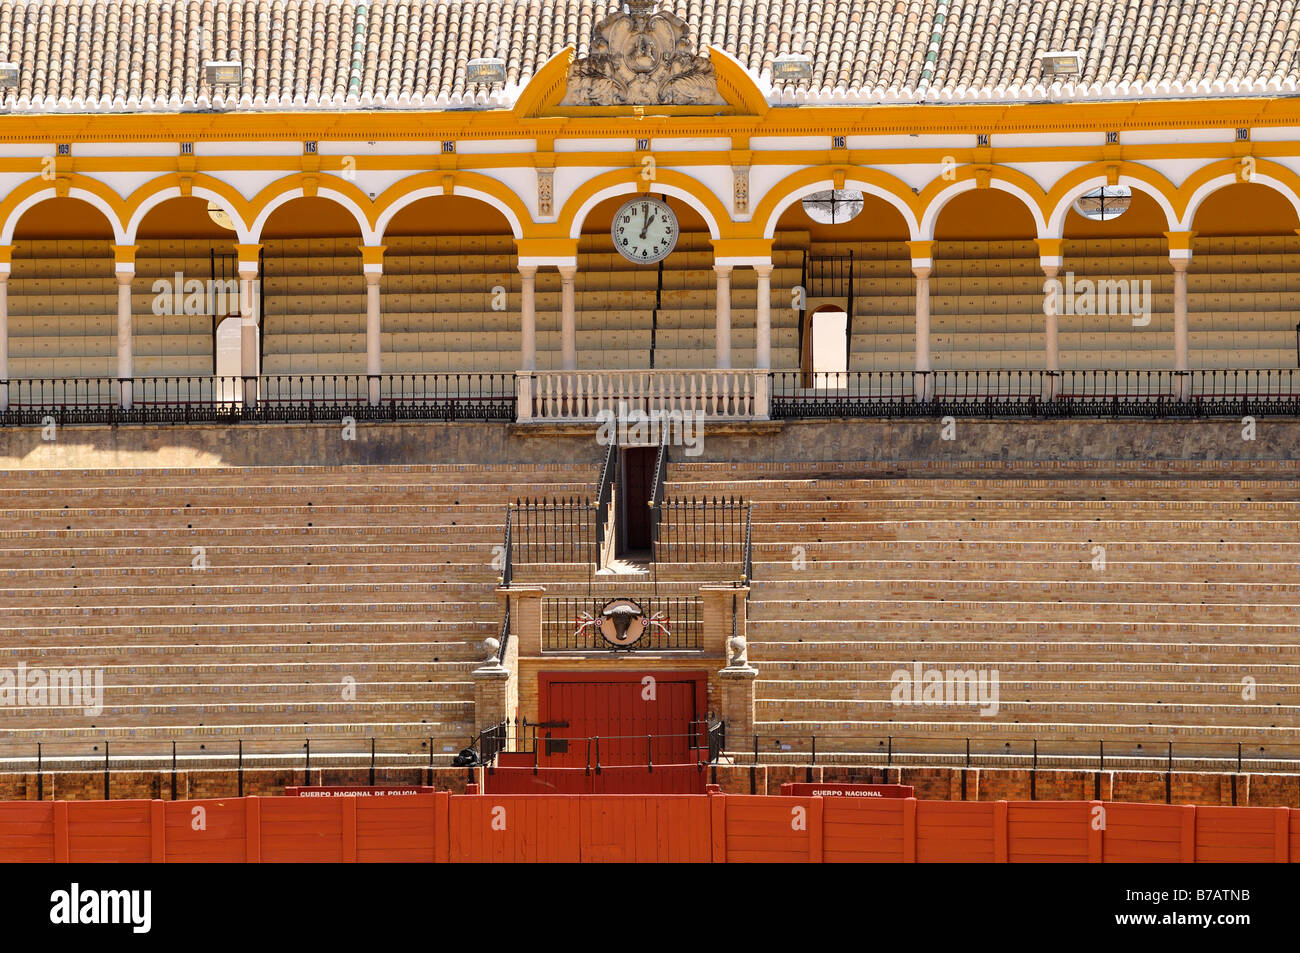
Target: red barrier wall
[(647, 828)]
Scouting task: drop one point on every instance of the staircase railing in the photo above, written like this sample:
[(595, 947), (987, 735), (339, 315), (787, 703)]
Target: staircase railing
[(507, 553), (605, 498), (747, 565), (657, 487)]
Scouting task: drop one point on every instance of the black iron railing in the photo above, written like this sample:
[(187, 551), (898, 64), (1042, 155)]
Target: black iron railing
[(702, 530), (702, 742), (507, 552), (269, 398), (605, 496), (1056, 753), (658, 486), (553, 531), (574, 624), (1036, 393)]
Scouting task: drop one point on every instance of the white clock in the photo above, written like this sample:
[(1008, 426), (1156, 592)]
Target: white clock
[(645, 230)]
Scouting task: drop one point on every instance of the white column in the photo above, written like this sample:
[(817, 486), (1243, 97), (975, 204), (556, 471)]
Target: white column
[(528, 317), (922, 273), (763, 320), (1051, 325), (568, 319), (374, 359), (125, 361), (722, 336), (1182, 350), (249, 320), (4, 335)]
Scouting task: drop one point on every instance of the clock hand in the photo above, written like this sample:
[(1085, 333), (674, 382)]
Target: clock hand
[(646, 227)]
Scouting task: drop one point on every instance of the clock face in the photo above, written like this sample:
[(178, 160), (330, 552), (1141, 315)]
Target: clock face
[(645, 230)]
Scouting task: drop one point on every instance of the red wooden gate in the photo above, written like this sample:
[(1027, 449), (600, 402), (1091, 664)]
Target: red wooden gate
[(612, 733)]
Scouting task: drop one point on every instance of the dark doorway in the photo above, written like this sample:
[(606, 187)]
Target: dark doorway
[(638, 473)]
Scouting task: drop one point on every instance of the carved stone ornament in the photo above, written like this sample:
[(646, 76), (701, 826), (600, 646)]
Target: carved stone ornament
[(545, 192), (643, 57), (740, 196)]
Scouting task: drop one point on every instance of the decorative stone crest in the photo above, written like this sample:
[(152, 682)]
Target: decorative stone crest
[(545, 192), (740, 193), (642, 57)]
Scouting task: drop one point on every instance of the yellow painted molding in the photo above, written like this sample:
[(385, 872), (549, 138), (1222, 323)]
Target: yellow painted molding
[(6, 254), (62, 185), (372, 254), (546, 247), (310, 186), (449, 184), (921, 249), (1180, 241), (736, 85), (125, 254), (1049, 247), (741, 247), (247, 253), (547, 87)]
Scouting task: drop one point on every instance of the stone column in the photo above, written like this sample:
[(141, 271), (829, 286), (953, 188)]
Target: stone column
[(250, 319), (124, 267), (372, 263), (722, 335), (763, 320), (1180, 257), (568, 319), (921, 265), (6, 252), (1049, 259), (528, 317)]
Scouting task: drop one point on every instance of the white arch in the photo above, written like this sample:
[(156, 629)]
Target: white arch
[(368, 236), (7, 233), (1232, 178), (623, 188), (381, 226), (1056, 223), (242, 232), (866, 188), (965, 185)]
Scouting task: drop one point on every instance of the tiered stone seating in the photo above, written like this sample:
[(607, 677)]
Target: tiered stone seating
[(986, 305), (316, 579), (63, 310), (856, 578)]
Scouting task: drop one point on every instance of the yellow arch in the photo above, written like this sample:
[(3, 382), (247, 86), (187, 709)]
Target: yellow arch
[(942, 190), (1262, 169), (1160, 186), (713, 208), (311, 184), (175, 180), (895, 192), (70, 181), (390, 201)]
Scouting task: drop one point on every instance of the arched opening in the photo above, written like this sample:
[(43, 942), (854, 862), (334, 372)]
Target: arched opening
[(449, 295), (830, 355), (185, 296), (839, 262), (1115, 310), (1243, 276), (62, 297), (313, 325), (636, 314), (986, 286)]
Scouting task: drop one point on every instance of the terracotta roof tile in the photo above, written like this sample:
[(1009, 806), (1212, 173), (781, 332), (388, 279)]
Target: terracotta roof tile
[(335, 54)]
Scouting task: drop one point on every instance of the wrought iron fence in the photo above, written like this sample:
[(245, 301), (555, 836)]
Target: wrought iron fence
[(701, 531), (605, 496), (574, 624), (1056, 753), (553, 531), (1035, 393), (271, 398)]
